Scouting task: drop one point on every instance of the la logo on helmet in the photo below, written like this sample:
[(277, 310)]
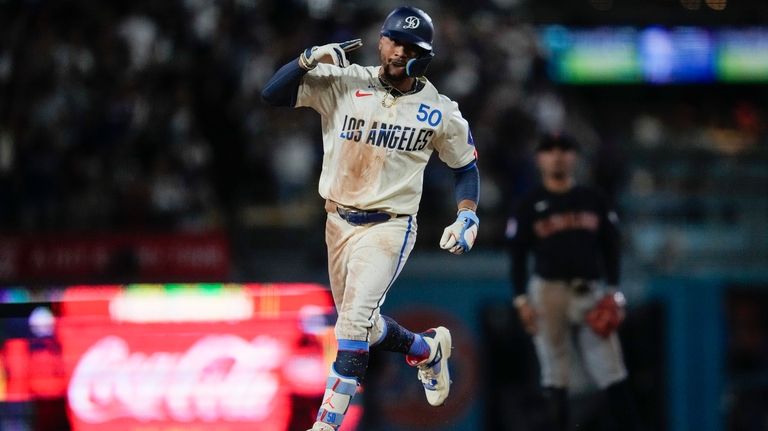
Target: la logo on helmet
[(411, 22)]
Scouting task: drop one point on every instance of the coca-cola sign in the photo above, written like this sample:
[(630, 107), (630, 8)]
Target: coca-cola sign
[(127, 369), (219, 378)]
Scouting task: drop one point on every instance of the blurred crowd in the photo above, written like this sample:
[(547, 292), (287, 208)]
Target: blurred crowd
[(146, 114)]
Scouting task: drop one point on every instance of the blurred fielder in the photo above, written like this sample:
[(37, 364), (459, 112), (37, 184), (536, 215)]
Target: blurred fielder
[(573, 235), (380, 125)]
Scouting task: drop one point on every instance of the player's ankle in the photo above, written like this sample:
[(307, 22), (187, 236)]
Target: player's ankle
[(421, 350), (416, 361)]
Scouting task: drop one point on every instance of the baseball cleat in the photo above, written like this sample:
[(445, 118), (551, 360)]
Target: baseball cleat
[(433, 371), (321, 426)]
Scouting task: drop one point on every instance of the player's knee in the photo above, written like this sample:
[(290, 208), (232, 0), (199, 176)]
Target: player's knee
[(348, 327), (378, 331)]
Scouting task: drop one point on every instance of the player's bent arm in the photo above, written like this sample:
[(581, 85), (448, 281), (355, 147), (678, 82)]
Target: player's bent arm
[(519, 275), (283, 87), (467, 186), (460, 236), (519, 268)]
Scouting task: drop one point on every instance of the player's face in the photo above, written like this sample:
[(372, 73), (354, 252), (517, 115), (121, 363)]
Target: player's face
[(394, 55), (557, 162)]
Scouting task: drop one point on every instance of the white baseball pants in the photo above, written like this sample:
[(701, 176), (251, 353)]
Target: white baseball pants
[(363, 263), (560, 313)]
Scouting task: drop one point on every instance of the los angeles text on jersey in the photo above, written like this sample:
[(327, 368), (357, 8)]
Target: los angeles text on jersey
[(380, 134)]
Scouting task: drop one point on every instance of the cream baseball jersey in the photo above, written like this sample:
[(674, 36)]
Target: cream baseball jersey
[(374, 150)]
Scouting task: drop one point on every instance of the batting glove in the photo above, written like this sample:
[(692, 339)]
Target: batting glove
[(460, 236), (335, 53)]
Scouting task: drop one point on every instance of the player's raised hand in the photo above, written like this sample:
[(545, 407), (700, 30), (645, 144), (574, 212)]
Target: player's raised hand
[(332, 53), (460, 236)]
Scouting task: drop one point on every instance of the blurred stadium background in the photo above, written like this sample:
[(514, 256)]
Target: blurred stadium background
[(134, 149)]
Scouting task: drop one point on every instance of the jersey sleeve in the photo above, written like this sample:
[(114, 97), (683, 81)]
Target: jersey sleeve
[(455, 145), (320, 88)]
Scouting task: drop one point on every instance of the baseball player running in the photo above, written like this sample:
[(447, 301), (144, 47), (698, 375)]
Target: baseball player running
[(380, 125), (573, 235)]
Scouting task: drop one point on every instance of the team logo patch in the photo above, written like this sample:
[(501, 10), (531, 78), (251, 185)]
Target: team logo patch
[(541, 206), (411, 22)]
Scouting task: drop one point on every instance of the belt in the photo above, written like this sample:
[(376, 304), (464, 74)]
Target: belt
[(357, 217), (579, 286)]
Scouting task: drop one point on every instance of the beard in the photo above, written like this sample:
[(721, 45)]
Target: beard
[(392, 72)]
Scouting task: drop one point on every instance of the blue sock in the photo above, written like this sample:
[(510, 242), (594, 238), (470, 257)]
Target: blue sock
[(394, 338), (419, 348), (352, 359)]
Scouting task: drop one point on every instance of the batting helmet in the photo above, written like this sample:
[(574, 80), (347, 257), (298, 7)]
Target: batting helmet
[(411, 25)]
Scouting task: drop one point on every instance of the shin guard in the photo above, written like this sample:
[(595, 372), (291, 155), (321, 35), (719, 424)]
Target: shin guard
[(346, 373), (339, 391)]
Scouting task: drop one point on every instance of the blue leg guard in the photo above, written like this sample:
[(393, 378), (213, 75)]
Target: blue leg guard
[(346, 373)]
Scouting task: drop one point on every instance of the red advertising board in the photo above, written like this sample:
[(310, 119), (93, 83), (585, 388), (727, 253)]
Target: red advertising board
[(220, 357)]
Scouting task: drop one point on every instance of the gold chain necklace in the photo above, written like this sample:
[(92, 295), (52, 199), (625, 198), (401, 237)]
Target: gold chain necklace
[(389, 100)]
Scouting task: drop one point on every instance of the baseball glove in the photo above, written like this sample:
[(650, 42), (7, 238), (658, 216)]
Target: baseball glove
[(606, 316)]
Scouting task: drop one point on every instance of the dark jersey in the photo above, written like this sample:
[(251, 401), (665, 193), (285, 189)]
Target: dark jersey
[(571, 235)]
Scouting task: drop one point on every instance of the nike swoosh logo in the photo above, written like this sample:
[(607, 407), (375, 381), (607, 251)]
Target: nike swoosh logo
[(438, 356), (359, 93)]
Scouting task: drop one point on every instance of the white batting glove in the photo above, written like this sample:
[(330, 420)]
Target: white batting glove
[(333, 53), (460, 236)]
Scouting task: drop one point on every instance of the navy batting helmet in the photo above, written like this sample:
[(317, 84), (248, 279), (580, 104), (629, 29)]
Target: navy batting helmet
[(411, 25)]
